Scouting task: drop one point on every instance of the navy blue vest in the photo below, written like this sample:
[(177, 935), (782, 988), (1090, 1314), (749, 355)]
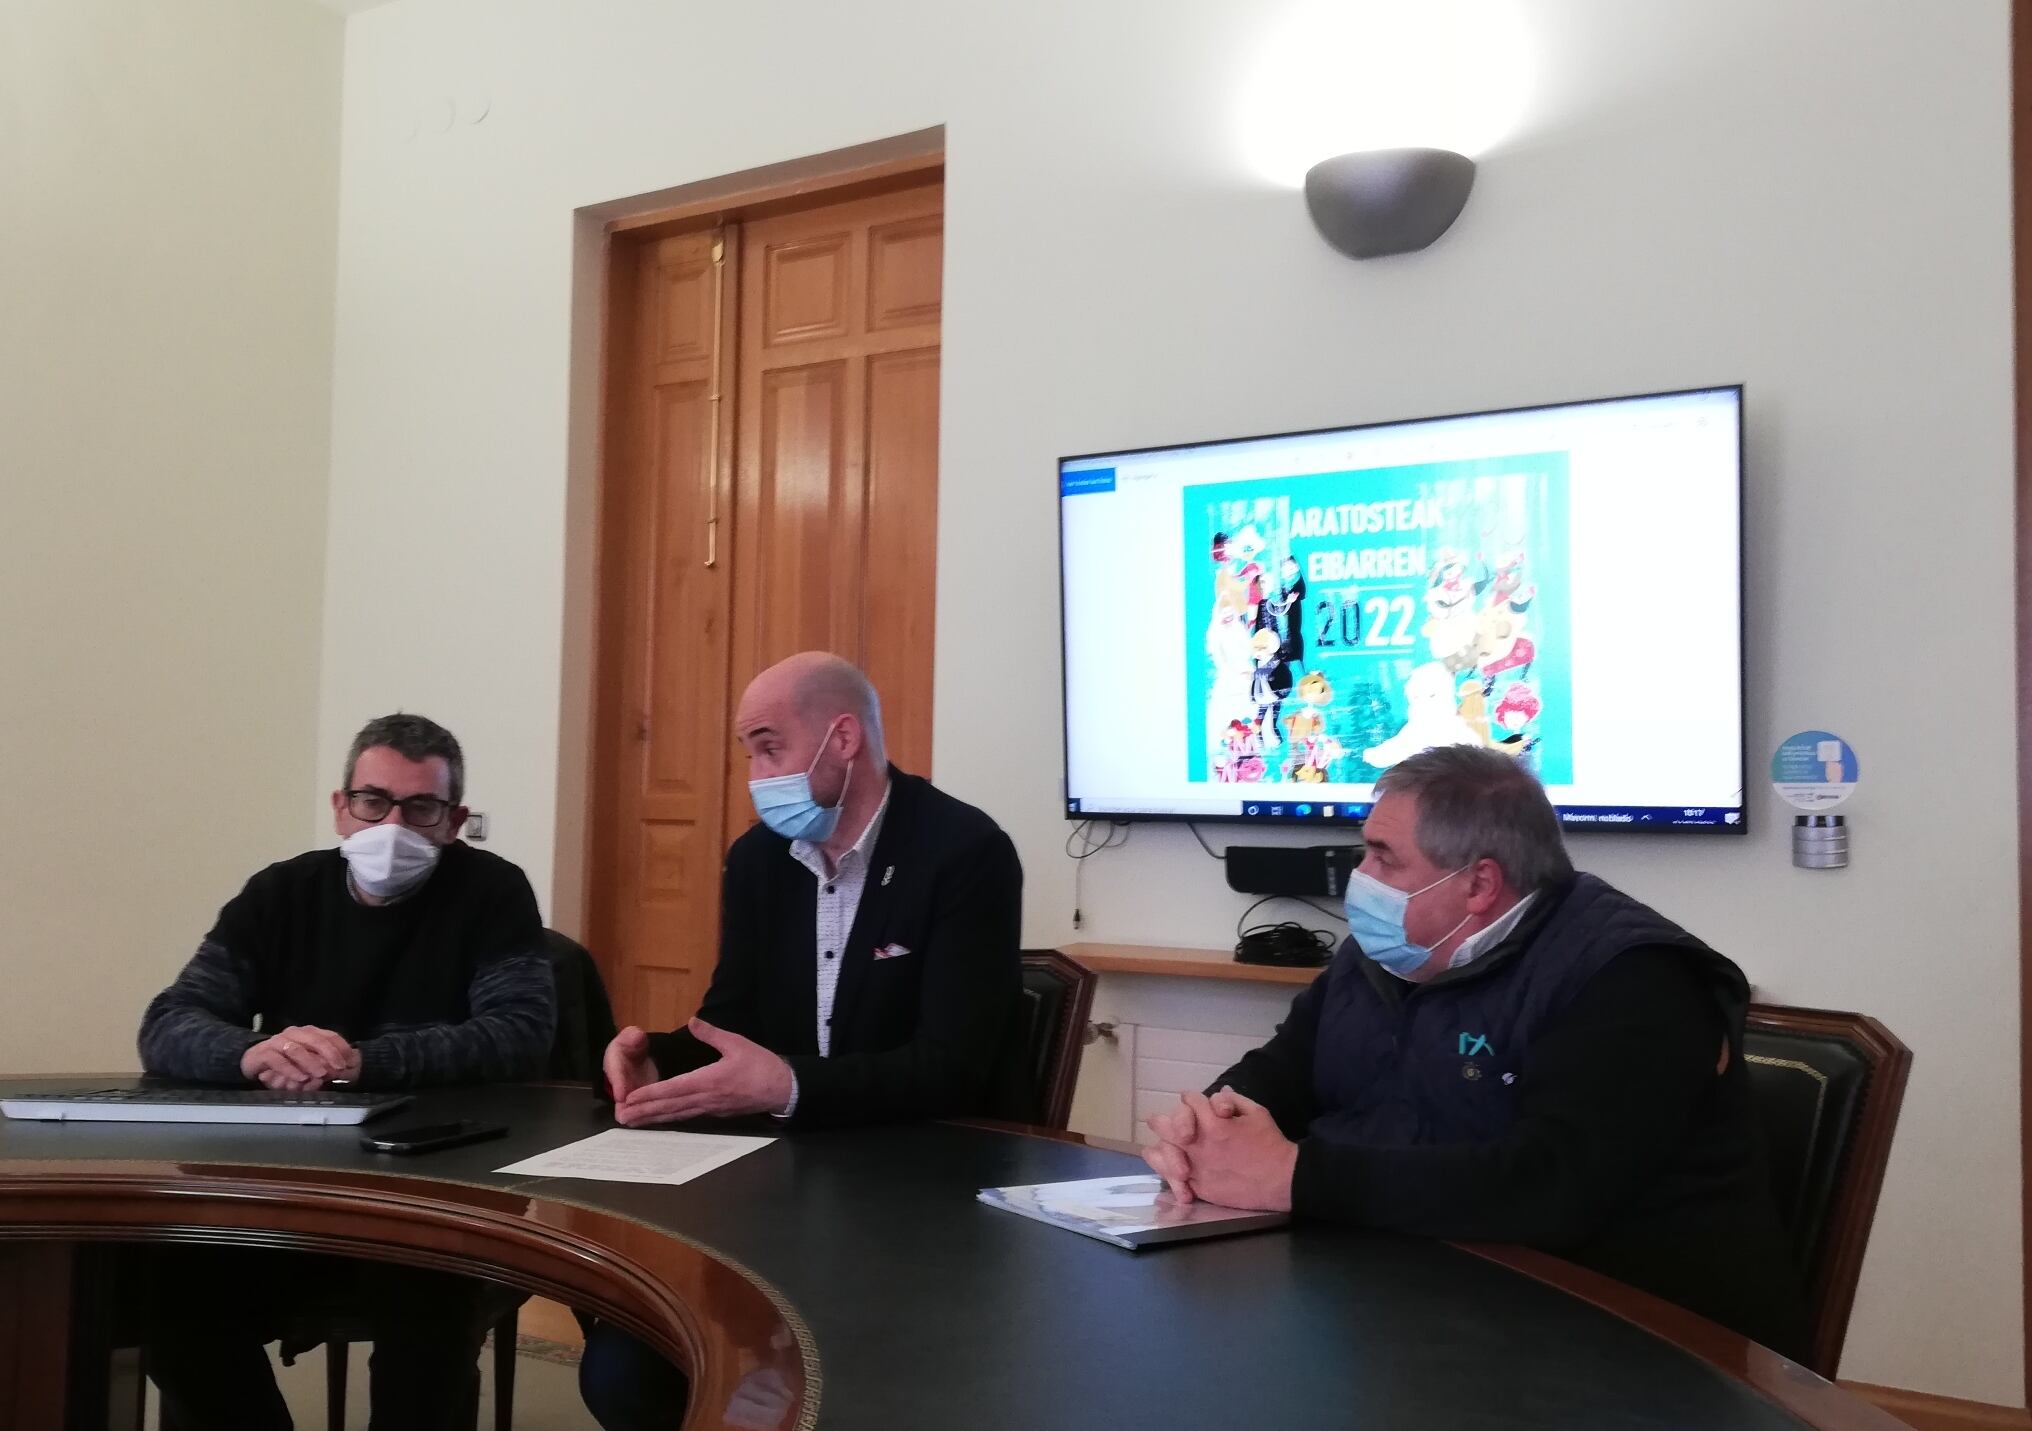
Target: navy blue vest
[(1397, 1063)]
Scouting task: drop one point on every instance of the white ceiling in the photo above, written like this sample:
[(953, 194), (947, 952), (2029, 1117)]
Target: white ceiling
[(351, 7)]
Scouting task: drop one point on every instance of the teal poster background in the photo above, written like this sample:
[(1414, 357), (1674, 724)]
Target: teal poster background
[(1340, 621)]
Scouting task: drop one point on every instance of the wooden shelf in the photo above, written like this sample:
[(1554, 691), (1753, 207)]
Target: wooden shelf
[(1181, 963)]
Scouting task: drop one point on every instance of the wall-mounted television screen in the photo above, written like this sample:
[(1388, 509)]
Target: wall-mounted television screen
[(1256, 629)]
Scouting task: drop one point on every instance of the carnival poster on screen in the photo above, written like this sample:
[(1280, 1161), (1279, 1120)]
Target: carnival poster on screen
[(1328, 637)]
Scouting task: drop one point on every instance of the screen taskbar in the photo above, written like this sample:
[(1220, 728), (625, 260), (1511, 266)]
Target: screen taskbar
[(1284, 810)]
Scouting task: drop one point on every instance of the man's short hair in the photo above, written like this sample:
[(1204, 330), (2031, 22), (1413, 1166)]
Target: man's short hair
[(835, 687), (413, 737), (1480, 804)]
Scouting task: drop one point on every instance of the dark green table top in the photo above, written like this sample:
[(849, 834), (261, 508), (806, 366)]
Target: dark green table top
[(928, 1309)]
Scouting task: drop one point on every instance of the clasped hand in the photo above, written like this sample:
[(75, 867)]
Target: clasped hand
[(300, 1059), (747, 1078), (1226, 1149)]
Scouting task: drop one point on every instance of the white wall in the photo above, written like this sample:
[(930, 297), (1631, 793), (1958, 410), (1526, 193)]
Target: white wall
[(168, 213), (1809, 197)]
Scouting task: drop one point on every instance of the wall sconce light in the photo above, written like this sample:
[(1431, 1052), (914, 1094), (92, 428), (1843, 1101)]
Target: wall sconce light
[(1384, 201)]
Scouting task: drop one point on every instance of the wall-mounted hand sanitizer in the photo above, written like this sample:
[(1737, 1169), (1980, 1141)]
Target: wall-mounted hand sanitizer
[(1815, 771)]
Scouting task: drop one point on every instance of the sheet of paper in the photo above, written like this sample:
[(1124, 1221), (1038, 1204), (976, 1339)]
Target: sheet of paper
[(639, 1155)]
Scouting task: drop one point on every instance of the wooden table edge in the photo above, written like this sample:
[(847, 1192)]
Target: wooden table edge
[(624, 1270)]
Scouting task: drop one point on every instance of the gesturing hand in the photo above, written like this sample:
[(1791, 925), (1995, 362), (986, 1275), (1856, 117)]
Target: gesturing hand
[(627, 1063), (747, 1078), (300, 1059)]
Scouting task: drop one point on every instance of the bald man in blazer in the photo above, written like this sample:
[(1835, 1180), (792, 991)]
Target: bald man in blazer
[(869, 965)]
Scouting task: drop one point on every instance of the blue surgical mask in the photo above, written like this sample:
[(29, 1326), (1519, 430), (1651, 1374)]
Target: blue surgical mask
[(786, 805), (1376, 922)]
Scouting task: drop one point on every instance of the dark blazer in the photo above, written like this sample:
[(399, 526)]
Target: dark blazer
[(934, 1032)]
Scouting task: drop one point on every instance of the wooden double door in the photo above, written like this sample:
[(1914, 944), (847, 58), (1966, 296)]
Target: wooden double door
[(770, 485)]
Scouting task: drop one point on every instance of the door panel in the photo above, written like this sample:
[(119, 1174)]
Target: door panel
[(900, 551), (906, 272), (662, 722), (804, 289), (837, 453), (799, 480), (771, 486), (679, 646)]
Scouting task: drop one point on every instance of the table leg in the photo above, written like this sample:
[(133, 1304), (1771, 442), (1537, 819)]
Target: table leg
[(59, 1310), (36, 1301), (104, 1392)]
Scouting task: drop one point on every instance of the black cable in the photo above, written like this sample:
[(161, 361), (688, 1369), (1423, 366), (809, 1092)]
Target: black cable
[(1285, 942), (1083, 834), (1330, 911), (1295, 899), (1217, 854)]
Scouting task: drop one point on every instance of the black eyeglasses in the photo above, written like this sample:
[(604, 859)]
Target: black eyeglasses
[(418, 811)]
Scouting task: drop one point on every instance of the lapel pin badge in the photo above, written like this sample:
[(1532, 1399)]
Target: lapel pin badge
[(888, 875)]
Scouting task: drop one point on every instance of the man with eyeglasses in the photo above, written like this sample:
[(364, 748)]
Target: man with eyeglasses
[(403, 958)]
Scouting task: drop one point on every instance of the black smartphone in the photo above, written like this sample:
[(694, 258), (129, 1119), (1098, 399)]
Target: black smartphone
[(429, 1137)]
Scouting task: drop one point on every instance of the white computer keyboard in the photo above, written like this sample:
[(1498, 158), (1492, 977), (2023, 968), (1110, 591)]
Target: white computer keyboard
[(200, 1105)]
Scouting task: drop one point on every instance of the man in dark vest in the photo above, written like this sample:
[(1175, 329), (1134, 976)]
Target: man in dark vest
[(869, 965), (1506, 1051), (402, 958)]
